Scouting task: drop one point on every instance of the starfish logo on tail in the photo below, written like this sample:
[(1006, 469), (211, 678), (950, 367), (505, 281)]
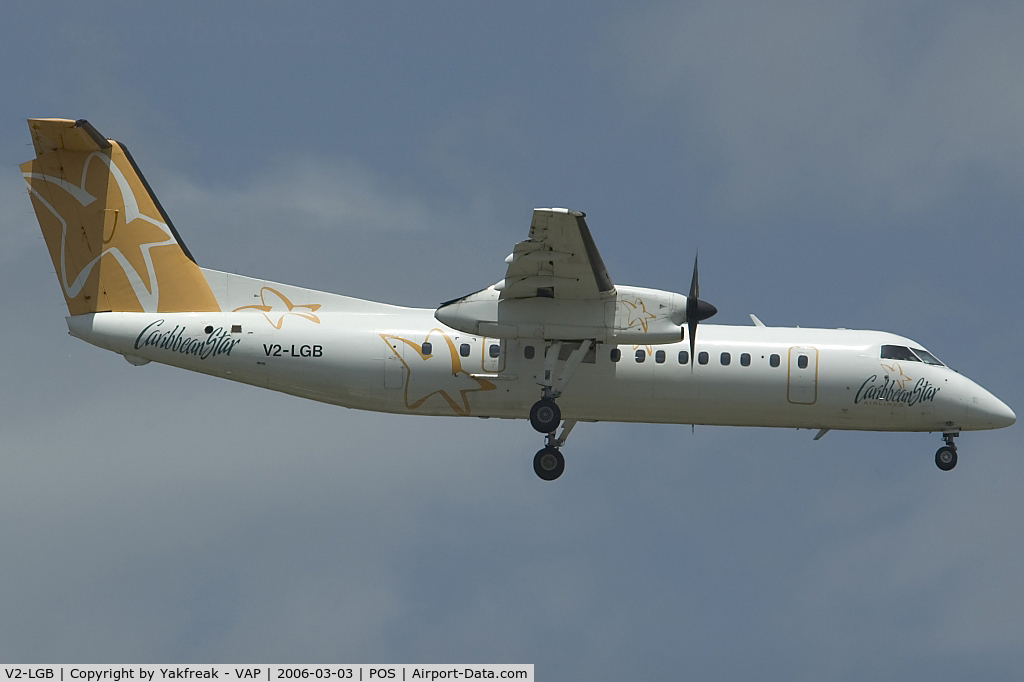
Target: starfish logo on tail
[(111, 245), (126, 233)]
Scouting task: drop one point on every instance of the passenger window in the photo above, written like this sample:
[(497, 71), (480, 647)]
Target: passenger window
[(464, 350), (640, 356), (684, 357), (774, 360), (659, 357), (898, 353), (616, 354), (426, 348), (801, 362), (702, 357), (528, 352), (494, 351), (726, 358), (745, 359)]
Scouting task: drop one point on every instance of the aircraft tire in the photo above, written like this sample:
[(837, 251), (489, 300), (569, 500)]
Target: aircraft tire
[(945, 458), (548, 463), (545, 415)]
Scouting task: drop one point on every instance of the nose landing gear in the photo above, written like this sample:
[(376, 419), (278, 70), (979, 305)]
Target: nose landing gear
[(945, 457)]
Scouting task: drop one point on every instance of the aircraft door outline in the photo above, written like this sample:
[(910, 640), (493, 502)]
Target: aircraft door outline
[(492, 364), (802, 383), (394, 368)]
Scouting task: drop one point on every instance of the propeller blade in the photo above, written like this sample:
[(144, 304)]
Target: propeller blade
[(696, 311), (694, 285), (691, 306), (692, 328)]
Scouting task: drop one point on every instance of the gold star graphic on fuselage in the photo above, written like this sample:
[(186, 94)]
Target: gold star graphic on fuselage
[(896, 374), (637, 314), (276, 305), (454, 387)]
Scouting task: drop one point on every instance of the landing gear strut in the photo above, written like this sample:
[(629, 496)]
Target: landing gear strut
[(548, 463), (945, 457), (545, 414)]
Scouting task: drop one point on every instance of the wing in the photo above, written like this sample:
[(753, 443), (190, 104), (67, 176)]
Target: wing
[(559, 260)]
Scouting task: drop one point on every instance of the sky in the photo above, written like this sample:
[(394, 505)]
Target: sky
[(836, 164)]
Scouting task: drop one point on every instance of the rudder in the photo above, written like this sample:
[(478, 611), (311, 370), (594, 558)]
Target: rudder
[(112, 245)]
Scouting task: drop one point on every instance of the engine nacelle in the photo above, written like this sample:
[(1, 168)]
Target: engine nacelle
[(631, 315)]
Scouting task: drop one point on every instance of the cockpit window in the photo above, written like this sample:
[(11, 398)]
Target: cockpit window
[(898, 353), (927, 357)]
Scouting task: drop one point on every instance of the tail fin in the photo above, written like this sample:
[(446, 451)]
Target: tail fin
[(112, 245)]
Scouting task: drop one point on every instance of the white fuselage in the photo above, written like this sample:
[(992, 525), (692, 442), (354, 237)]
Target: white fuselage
[(374, 358)]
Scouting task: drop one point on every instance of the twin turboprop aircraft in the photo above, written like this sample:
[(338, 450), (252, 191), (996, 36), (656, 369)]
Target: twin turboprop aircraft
[(556, 340)]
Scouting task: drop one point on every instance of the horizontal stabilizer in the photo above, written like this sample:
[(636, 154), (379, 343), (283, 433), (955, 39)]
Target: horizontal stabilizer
[(52, 134)]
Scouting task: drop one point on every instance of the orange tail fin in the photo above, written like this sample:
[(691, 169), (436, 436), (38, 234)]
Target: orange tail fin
[(112, 245)]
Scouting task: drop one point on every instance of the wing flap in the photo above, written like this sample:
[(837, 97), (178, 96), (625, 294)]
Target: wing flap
[(559, 260)]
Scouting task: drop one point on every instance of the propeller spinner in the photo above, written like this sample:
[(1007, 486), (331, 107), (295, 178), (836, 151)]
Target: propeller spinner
[(696, 312)]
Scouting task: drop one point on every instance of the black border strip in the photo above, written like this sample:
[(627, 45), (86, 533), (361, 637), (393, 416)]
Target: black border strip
[(163, 213), (604, 281), (461, 298), (101, 141)]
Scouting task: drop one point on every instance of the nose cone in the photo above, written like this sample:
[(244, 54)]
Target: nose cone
[(705, 310), (989, 412)]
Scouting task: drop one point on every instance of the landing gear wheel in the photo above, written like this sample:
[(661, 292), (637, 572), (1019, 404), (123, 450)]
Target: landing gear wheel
[(545, 415), (945, 458), (549, 463)]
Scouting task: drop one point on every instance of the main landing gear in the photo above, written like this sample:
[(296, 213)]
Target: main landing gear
[(545, 414), (945, 457), (549, 463)]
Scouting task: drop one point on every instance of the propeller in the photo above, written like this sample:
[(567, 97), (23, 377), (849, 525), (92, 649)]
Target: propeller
[(696, 312)]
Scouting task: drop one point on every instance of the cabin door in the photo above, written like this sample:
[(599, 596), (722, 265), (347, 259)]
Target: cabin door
[(494, 356), (803, 375), (394, 368)]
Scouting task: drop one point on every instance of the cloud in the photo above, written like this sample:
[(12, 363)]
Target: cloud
[(304, 193), (922, 573), (332, 224), (898, 106), (19, 231)]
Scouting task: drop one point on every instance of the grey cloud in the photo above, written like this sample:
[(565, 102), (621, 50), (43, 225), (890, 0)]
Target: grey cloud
[(19, 231), (311, 193), (864, 105)]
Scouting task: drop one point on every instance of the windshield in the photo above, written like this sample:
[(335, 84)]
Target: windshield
[(927, 357), (898, 353), (891, 352)]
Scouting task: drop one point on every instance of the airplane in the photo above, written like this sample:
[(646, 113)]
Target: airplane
[(555, 340)]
